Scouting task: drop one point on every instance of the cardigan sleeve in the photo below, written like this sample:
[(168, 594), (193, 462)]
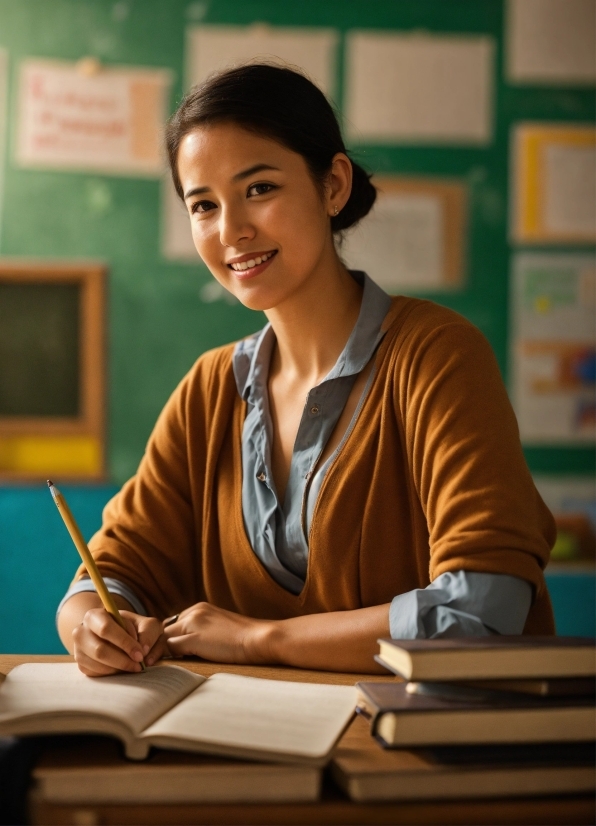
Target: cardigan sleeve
[(481, 506), (148, 538)]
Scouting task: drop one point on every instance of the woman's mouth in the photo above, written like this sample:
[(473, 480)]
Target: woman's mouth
[(255, 265)]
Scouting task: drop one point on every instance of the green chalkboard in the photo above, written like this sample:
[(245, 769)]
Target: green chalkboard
[(39, 349), (158, 321)]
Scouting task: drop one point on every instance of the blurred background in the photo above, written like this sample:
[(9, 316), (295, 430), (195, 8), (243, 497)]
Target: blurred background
[(477, 119)]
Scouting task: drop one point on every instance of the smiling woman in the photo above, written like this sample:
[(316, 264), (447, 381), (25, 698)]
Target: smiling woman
[(394, 501)]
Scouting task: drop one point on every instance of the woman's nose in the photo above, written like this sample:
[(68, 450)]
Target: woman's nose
[(234, 227)]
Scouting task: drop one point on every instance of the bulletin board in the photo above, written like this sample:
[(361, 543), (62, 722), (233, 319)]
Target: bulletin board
[(162, 313), (52, 371)]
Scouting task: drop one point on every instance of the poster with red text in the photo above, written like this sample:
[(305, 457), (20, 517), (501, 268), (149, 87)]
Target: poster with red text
[(86, 117)]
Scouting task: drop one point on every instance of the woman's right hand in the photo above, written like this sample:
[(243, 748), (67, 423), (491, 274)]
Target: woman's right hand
[(102, 647)]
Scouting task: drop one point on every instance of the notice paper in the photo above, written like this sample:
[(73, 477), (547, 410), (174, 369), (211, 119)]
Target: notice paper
[(554, 347), (551, 42), (213, 48), (400, 243), (74, 116), (554, 183), (413, 239), (3, 125), (176, 242), (419, 88)]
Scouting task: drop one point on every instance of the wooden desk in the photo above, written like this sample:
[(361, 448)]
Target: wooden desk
[(334, 807)]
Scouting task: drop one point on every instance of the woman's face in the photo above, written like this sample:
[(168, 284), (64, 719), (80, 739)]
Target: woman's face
[(258, 221)]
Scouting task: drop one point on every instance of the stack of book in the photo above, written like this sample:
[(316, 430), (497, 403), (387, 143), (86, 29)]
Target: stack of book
[(475, 717)]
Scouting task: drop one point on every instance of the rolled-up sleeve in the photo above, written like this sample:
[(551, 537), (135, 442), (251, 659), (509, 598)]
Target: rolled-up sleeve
[(462, 604)]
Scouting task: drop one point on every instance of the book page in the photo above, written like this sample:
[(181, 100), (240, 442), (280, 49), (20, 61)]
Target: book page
[(247, 714), (60, 688)]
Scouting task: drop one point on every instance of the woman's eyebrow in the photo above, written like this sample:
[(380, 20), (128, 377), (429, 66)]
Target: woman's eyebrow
[(239, 176), (259, 167)]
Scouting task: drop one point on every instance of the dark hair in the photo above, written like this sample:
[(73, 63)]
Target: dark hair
[(282, 104)]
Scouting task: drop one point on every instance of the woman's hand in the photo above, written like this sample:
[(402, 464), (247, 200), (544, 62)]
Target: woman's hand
[(214, 634), (102, 647)]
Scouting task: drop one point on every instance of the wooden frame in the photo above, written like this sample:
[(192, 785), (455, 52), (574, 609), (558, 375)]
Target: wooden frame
[(90, 423), (452, 195)]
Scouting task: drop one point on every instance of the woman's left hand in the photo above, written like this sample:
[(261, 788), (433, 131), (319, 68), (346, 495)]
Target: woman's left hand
[(203, 630)]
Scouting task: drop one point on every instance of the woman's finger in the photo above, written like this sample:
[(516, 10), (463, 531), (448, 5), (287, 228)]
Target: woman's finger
[(159, 650), (91, 668), (149, 631), (104, 626), (101, 652), (182, 646)]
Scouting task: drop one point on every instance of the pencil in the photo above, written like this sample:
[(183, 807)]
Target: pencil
[(88, 561)]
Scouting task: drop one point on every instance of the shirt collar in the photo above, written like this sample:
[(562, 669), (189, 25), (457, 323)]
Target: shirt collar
[(253, 355)]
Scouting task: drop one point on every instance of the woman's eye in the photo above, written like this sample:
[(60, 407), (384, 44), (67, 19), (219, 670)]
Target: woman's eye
[(260, 189), (200, 207)]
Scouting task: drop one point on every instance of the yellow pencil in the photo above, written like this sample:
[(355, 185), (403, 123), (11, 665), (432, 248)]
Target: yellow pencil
[(88, 561)]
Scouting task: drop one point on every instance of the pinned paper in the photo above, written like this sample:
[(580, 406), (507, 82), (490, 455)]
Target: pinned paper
[(3, 122), (554, 348), (419, 88), (554, 186), (82, 116), (213, 48), (551, 42), (176, 242), (413, 239)]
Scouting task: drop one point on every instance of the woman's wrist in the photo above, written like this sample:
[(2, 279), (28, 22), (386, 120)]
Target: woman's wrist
[(263, 643)]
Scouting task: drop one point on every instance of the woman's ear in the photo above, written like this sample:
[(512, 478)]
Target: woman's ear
[(339, 183)]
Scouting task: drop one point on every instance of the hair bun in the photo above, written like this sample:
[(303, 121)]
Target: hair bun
[(359, 204)]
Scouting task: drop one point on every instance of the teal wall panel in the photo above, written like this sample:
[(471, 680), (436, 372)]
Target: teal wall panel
[(38, 560)]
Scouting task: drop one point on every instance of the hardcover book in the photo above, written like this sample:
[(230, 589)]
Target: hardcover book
[(400, 718), (490, 658)]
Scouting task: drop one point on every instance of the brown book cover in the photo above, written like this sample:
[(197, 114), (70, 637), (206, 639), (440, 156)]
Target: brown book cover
[(367, 772), (490, 658), (401, 718)]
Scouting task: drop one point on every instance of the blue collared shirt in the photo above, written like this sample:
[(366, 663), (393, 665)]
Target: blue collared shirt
[(460, 603)]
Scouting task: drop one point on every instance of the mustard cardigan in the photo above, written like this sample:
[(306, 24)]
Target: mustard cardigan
[(431, 479)]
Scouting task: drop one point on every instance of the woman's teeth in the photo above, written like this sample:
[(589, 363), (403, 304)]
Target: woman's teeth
[(253, 262)]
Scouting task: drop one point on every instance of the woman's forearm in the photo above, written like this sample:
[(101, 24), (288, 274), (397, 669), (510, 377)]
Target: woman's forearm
[(335, 641)]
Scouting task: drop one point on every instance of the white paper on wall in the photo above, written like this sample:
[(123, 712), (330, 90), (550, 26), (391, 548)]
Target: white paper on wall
[(400, 244), (553, 351), (3, 126), (570, 189), (109, 121), (177, 243), (213, 48), (551, 41), (419, 88)]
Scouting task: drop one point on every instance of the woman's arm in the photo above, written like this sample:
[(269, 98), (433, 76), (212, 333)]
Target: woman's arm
[(334, 641)]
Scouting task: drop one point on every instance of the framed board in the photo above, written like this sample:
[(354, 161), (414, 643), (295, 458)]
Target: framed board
[(414, 237), (52, 370), (554, 181)]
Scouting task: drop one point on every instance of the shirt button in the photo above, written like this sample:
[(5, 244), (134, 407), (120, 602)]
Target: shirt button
[(261, 477), (314, 409)]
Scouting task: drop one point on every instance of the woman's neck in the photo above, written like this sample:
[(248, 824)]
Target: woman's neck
[(313, 326)]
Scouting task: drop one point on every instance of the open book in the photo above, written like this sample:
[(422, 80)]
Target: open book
[(170, 707)]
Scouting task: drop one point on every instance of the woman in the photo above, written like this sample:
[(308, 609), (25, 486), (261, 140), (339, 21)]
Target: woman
[(394, 501)]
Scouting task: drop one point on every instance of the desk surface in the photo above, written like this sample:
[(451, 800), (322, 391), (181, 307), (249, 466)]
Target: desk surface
[(334, 807)]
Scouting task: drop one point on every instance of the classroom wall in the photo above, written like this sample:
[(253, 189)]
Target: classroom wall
[(158, 319)]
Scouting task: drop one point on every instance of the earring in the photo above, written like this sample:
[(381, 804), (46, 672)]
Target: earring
[(335, 210)]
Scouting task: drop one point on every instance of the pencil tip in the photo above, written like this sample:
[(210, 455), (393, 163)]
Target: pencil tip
[(50, 483)]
